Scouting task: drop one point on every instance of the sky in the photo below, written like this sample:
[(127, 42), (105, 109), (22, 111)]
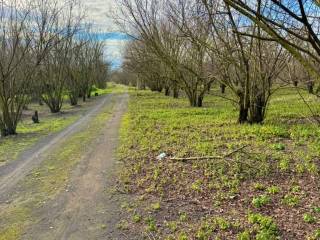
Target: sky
[(98, 13)]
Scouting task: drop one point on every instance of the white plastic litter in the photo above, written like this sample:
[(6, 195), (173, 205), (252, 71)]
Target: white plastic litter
[(162, 156)]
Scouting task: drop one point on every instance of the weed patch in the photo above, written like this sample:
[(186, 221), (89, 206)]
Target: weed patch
[(210, 198)]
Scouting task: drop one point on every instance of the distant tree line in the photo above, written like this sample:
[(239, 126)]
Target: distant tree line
[(46, 54), (250, 48)]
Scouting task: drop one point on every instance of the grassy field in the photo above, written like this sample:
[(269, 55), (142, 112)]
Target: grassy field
[(269, 189), (30, 133)]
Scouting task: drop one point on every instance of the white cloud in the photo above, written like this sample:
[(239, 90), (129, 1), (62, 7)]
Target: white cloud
[(99, 13)]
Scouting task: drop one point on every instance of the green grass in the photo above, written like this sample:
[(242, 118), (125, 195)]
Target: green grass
[(283, 150), (112, 88), (29, 134), (47, 180)]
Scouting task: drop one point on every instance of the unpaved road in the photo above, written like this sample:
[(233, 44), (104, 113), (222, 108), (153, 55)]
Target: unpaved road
[(13, 172), (87, 209)]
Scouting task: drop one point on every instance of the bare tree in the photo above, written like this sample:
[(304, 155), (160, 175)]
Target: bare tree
[(24, 44), (185, 59), (90, 55), (102, 73), (53, 72), (41, 57), (247, 65), (293, 24)]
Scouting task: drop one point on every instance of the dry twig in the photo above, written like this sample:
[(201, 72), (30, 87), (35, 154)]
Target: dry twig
[(210, 157)]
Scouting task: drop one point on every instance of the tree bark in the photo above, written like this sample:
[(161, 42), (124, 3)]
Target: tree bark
[(167, 91), (54, 105), (243, 115), (8, 131), (223, 88), (55, 109), (141, 85), (243, 109), (257, 111), (196, 100), (209, 87), (310, 86), (73, 100), (193, 101), (200, 101), (175, 92), (159, 87)]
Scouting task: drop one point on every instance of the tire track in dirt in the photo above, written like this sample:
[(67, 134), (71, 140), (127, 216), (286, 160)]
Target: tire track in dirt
[(87, 209), (12, 173)]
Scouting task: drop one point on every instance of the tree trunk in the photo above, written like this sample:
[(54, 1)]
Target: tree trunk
[(193, 101), (310, 87), (35, 117), (167, 91), (200, 101), (3, 132), (8, 130), (243, 114), (54, 105), (209, 87), (175, 92), (73, 100), (257, 111), (141, 85), (257, 116), (55, 109), (243, 107), (223, 88)]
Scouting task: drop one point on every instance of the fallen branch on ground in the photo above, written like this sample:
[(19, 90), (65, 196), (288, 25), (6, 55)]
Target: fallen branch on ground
[(210, 157)]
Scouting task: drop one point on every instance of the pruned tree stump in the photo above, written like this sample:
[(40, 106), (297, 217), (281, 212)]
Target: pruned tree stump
[(35, 117)]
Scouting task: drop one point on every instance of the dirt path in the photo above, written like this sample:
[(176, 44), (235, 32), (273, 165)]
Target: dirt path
[(12, 173), (86, 209)]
